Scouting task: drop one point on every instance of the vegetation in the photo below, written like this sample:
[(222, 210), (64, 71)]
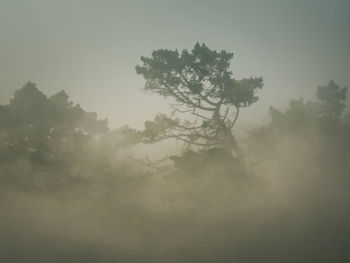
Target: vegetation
[(72, 190), (201, 84)]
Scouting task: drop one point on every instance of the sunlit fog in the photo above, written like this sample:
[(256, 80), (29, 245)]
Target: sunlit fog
[(174, 131)]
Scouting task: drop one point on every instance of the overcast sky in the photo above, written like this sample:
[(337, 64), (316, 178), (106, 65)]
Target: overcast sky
[(90, 48)]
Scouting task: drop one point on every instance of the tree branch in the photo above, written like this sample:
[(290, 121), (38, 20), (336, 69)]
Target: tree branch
[(235, 119), (205, 98)]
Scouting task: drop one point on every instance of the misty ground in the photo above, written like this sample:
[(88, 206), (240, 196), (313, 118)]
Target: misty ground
[(96, 200)]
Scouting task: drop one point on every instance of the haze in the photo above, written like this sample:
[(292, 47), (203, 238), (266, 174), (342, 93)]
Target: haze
[(90, 48), (174, 131)]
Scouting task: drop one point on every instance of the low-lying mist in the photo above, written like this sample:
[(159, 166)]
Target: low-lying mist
[(73, 191)]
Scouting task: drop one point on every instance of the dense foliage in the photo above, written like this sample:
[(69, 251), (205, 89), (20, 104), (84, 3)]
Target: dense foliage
[(71, 190), (202, 85)]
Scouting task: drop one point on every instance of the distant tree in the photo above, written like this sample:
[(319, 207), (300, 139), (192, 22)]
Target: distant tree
[(44, 129), (203, 88), (332, 98), (329, 106), (318, 123)]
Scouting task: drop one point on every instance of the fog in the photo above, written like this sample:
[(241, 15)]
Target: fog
[(82, 197), (90, 48), (157, 131)]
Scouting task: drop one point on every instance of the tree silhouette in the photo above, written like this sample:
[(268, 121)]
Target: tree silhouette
[(44, 129), (203, 88), (317, 122), (332, 98), (328, 108)]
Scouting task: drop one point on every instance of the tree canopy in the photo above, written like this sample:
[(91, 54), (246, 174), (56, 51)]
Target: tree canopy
[(202, 86), (329, 106), (319, 123), (34, 126)]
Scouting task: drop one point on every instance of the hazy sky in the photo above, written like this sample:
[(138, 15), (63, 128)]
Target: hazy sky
[(90, 48)]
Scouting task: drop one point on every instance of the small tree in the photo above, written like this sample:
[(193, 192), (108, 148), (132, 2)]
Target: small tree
[(202, 85), (332, 99), (44, 129)]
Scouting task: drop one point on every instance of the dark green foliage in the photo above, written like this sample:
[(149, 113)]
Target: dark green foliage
[(47, 135), (202, 85), (34, 126), (154, 130), (109, 208), (318, 123), (304, 117), (201, 74), (332, 99)]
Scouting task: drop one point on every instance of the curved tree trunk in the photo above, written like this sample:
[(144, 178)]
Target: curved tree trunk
[(232, 146)]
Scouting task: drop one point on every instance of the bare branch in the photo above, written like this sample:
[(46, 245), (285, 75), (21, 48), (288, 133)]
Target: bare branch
[(189, 141), (235, 119), (199, 115), (187, 100)]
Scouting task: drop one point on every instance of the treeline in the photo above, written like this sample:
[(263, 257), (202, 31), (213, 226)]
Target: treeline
[(72, 191), (52, 137)]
